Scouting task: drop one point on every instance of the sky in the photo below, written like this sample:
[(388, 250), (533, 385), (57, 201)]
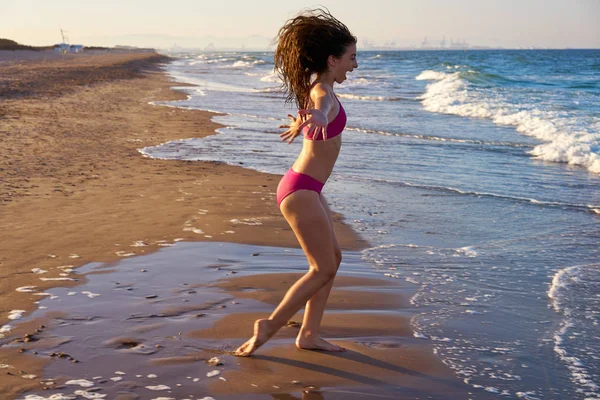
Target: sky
[(254, 24)]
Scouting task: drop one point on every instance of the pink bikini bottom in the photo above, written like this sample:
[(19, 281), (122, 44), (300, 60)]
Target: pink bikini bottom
[(293, 181)]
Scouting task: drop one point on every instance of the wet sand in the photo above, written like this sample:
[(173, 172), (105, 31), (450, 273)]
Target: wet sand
[(74, 191), (148, 326)]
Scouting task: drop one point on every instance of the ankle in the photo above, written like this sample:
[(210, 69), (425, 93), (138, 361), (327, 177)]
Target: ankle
[(308, 333), (273, 324)]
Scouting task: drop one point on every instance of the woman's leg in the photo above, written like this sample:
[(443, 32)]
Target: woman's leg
[(308, 337), (310, 222)]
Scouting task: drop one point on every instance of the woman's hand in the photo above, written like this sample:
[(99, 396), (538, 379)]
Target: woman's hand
[(293, 129), (317, 122)]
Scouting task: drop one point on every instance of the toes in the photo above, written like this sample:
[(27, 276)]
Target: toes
[(242, 350), (246, 349)]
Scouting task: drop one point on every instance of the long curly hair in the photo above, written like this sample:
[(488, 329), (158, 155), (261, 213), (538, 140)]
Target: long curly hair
[(304, 44)]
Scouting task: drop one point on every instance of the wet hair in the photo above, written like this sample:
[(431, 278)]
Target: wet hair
[(304, 43)]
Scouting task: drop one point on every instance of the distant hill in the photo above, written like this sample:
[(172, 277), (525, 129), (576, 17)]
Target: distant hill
[(7, 44)]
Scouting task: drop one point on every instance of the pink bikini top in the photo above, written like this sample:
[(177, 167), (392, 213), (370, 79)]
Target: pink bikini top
[(334, 128)]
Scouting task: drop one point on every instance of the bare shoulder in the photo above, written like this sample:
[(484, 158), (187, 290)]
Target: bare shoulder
[(320, 90)]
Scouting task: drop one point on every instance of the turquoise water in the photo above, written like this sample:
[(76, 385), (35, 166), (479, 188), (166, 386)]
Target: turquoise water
[(476, 177)]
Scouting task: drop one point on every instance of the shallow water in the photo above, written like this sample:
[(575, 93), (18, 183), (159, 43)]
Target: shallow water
[(133, 326), (474, 175)]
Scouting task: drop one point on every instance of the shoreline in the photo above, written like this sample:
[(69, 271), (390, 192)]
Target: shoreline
[(75, 190)]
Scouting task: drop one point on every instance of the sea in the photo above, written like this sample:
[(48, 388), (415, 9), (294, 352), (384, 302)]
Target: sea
[(475, 177)]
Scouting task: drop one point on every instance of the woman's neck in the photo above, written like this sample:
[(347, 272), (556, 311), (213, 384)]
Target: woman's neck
[(326, 77)]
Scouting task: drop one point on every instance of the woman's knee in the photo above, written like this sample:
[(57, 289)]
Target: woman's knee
[(324, 275)]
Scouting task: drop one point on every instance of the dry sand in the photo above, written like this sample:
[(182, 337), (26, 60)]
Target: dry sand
[(75, 190)]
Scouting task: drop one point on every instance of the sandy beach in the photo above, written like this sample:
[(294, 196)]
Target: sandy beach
[(75, 191)]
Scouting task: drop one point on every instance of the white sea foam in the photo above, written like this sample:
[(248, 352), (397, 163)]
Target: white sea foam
[(431, 75), (560, 281), (57, 279), (80, 382), (220, 60), (531, 395), (89, 395), (246, 221), (26, 289), (568, 139), (271, 77), (358, 82), (16, 314), (242, 64), (45, 294), (4, 329), (192, 229), (366, 98), (468, 251), (38, 271), (566, 283), (121, 253), (158, 387), (269, 90)]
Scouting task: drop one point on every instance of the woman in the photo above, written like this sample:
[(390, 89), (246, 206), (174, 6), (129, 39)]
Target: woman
[(312, 44)]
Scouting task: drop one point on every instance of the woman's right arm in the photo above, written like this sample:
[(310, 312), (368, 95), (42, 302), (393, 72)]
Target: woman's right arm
[(317, 117)]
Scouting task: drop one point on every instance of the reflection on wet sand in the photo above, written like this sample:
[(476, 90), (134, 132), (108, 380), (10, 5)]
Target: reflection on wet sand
[(163, 326)]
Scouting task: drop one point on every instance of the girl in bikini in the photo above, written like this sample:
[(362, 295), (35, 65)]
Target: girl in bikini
[(312, 45)]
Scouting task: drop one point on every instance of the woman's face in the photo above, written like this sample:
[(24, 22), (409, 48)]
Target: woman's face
[(346, 63)]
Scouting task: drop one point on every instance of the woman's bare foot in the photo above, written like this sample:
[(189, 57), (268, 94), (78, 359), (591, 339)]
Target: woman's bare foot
[(316, 343), (263, 330)]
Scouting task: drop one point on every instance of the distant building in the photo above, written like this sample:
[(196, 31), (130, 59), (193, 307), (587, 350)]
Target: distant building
[(458, 44), (61, 48), (65, 48)]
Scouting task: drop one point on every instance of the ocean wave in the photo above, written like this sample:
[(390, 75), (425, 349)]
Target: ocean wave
[(269, 90), (591, 208), (219, 60), (442, 139), (270, 77), (568, 139), (239, 64), (370, 98), (428, 75), (573, 293), (358, 82)]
